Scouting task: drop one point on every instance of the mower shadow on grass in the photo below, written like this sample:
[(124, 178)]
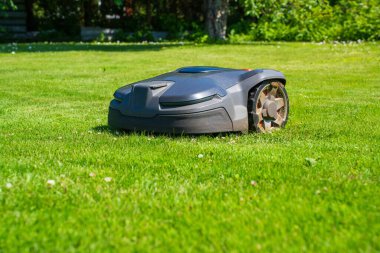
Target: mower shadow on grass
[(123, 132)]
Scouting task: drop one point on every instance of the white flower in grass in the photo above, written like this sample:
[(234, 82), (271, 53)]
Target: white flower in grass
[(8, 185), (92, 174), (108, 179), (200, 156), (50, 182), (253, 183)]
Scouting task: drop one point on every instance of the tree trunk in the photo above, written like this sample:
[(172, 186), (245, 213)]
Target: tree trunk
[(216, 18)]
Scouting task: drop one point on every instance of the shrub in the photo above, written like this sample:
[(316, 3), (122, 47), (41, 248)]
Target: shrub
[(310, 20)]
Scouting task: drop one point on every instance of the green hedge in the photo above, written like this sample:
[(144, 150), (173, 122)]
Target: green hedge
[(249, 20), (308, 20)]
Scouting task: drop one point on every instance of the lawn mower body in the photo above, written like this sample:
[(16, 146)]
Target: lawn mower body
[(190, 100)]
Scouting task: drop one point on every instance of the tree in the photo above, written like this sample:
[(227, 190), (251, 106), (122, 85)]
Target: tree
[(216, 18), (7, 5)]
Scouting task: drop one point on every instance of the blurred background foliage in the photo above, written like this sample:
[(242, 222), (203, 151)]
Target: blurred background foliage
[(248, 20), (308, 20)]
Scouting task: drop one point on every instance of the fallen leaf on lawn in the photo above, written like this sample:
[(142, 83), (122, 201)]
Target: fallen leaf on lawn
[(310, 161)]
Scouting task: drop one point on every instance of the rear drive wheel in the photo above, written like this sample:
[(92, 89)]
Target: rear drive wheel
[(268, 107)]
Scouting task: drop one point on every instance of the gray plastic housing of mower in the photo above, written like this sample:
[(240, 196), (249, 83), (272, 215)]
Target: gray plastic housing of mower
[(192, 100)]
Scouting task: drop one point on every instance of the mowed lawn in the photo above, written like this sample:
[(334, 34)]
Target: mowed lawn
[(313, 186)]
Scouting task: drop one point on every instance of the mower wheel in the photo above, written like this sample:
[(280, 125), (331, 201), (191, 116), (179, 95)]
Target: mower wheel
[(268, 107)]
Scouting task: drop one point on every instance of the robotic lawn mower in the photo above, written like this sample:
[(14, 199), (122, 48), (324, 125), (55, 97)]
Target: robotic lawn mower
[(198, 100)]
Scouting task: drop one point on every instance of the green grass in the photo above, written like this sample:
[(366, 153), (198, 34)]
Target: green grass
[(317, 179)]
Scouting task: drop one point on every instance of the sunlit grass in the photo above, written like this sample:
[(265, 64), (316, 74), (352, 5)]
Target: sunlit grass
[(67, 183)]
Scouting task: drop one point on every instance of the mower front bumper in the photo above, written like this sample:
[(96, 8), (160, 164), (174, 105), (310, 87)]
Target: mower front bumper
[(210, 121)]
